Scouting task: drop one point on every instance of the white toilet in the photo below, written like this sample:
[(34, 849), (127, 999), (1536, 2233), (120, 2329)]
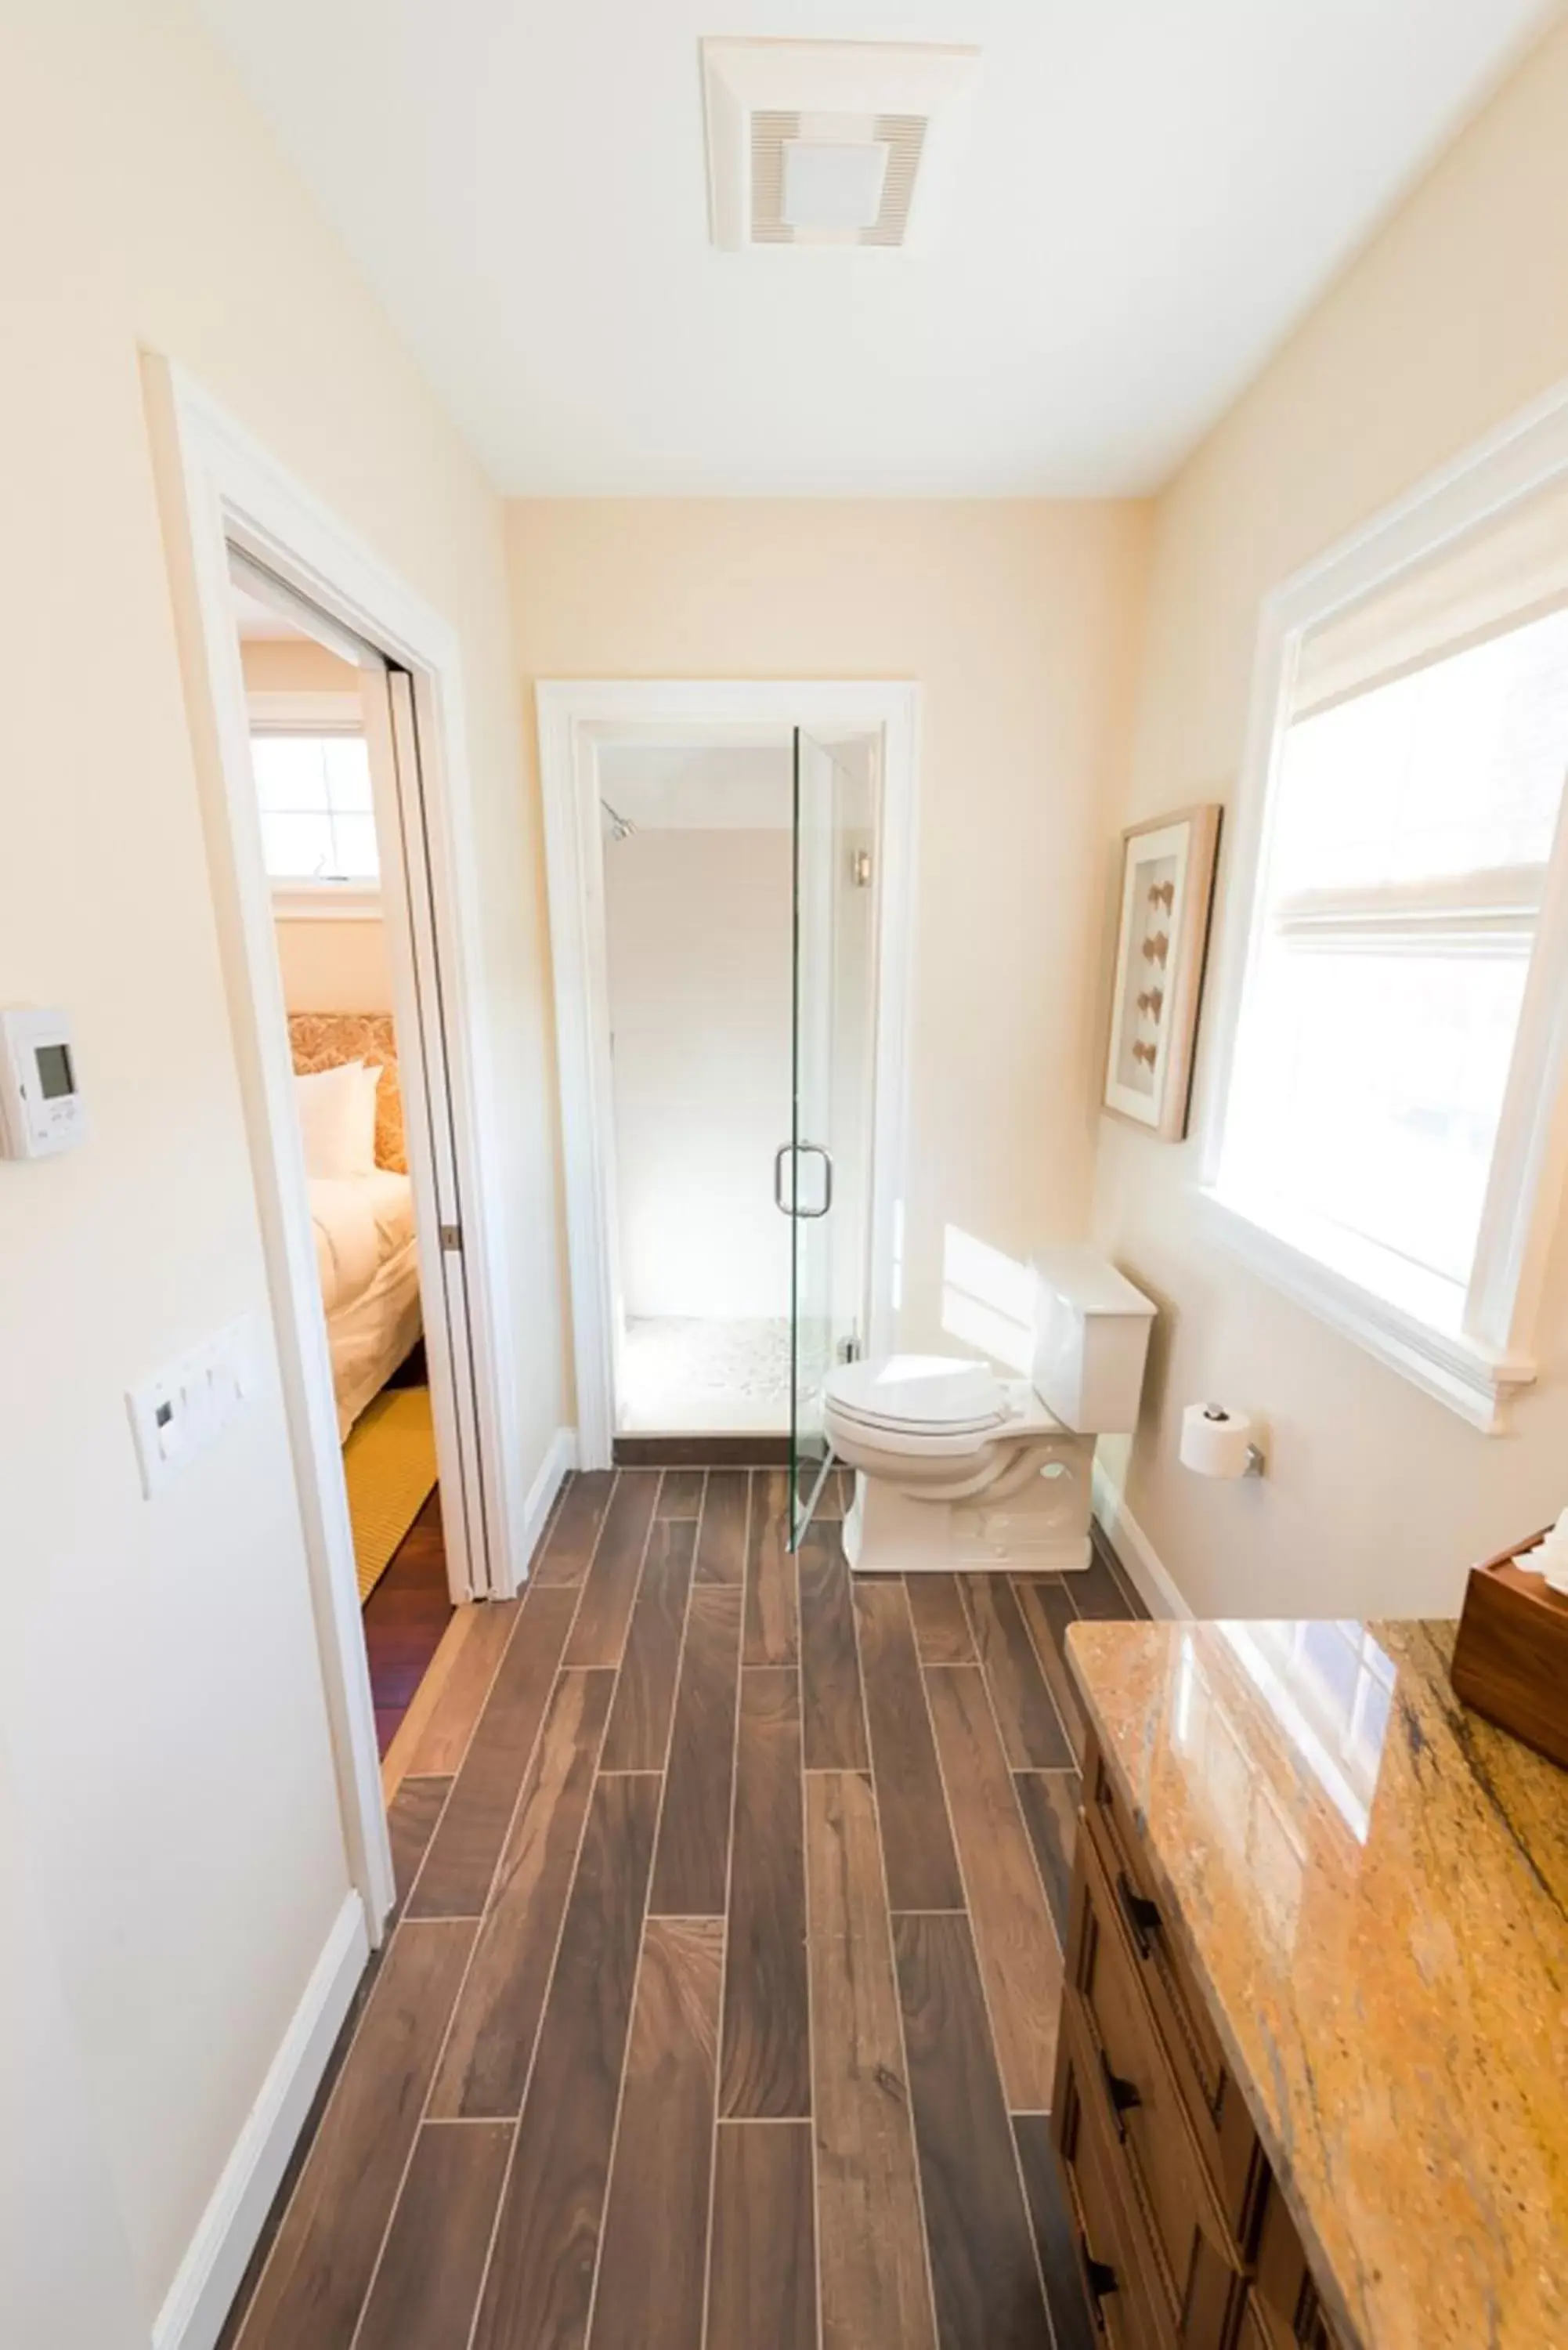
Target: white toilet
[(957, 1468)]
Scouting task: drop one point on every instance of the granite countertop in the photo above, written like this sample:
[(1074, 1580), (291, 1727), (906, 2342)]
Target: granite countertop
[(1372, 1885)]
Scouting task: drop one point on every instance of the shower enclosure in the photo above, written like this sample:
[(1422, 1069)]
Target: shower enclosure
[(732, 1028)]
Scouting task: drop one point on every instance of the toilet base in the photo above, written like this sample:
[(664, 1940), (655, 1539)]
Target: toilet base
[(1041, 1530)]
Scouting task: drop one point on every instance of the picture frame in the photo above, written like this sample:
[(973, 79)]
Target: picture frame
[(1162, 942)]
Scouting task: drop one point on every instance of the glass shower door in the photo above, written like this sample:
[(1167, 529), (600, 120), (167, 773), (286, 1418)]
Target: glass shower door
[(826, 1156)]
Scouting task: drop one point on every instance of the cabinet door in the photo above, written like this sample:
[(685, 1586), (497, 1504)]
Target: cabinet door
[(1113, 2260)]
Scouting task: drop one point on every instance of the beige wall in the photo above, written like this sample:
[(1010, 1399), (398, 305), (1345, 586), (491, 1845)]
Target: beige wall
[(295, 665), (159, 1687), (1452, 319), (1019, 621), (334, 966)]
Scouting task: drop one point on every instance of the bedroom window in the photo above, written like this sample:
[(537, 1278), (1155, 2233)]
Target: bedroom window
[(317, 821), (1397, 1060)]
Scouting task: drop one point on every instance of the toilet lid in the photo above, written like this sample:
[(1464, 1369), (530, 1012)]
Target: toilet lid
[(939, 1392)]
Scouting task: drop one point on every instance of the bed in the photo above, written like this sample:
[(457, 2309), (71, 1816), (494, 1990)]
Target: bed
[(364, 1248)]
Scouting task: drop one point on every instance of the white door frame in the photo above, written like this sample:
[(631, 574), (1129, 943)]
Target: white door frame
[(218, 486), (573, 718)]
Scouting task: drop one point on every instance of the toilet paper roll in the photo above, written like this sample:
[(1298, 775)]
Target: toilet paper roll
[(1215, 1442)]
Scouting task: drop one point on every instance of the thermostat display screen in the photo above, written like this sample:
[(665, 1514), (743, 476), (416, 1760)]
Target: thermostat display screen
[(54, 1076)]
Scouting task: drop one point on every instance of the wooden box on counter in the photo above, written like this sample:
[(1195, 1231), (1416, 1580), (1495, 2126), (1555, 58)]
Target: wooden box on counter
[(1510, 1659)]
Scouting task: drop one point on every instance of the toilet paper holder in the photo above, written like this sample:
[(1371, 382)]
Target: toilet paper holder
[(1216, 1415)]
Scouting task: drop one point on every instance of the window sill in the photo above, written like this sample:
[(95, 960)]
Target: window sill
[(1473, 1379), (325, 901)]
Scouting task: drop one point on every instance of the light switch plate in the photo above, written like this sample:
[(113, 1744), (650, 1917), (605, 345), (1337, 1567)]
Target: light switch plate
[(183, 1409)]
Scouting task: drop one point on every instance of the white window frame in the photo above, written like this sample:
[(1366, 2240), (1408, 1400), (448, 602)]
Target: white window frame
[(315, 714), (1478, 1369)]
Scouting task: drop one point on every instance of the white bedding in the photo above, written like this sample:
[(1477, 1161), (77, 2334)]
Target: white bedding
[(366, 1257)]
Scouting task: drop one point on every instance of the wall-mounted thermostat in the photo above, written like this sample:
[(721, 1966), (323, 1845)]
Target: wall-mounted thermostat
[(41, 1108)]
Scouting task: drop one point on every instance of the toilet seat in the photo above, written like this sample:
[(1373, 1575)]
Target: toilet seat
[(866, 1409), (917, 1395)]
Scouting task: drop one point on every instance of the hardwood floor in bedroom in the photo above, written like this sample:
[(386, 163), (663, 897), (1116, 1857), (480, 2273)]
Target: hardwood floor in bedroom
[(721, 2009), (405, 1619)]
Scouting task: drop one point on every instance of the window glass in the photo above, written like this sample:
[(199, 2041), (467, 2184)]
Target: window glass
[(1411, 827), (315, 795)]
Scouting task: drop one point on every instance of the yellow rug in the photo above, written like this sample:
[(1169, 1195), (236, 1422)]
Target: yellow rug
[(389, 1467)]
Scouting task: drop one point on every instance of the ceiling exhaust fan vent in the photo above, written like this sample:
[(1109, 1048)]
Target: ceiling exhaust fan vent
[(832, 142), (833, 179)]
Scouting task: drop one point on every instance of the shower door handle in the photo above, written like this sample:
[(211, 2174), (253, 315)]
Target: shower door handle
[(817, 1151), (804, 1215)]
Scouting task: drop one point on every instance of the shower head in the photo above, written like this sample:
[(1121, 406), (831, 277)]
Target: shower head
[(621, 826)]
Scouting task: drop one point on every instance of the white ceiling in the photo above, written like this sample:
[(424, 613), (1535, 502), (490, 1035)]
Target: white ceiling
[(1154, 192)]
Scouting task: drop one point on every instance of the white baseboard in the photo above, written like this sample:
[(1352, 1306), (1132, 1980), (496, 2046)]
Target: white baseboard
[(209, 2276), (1156, 1587), (560, 1459)]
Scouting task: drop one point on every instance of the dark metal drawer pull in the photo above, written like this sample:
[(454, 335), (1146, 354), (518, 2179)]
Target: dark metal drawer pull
[(1123, 2096), (1100, 2279), (1141, 1914)]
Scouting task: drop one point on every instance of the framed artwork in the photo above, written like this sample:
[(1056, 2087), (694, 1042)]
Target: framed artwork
[(1162, 938)]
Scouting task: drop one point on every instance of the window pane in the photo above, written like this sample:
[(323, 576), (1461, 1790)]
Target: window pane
[(289, 771), (355, 847), (1371, 1060), (297, 847), (347, 763), (1456, 768), (1371, 1092)]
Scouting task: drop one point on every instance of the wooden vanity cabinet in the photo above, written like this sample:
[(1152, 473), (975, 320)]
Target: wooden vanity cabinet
[(1183, 2239)]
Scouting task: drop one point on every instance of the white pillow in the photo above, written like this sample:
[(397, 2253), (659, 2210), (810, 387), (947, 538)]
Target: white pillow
[(337, 1119)]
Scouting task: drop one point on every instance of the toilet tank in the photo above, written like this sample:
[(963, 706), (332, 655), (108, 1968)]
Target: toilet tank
[(1091, 1342)]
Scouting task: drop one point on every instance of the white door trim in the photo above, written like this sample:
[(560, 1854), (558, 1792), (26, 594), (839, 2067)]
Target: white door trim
[(217, 485), (573, 717)]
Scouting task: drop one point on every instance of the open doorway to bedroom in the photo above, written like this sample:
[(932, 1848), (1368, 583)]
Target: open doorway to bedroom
[(335, 906)]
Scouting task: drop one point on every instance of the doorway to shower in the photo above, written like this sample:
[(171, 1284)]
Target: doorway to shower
[(730, 965)]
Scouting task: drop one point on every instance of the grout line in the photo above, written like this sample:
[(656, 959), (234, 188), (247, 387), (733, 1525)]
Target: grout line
[(518, 1596), (403, 1922), (479, 1924), (510, 2162), (765, 2121), (642, 1942), (974, 1941), (1023, 1614), (719, 2037), (791, 1504), (483, 1710), (908, 2101)]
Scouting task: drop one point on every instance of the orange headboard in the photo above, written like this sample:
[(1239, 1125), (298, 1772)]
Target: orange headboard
[(325, 1040)]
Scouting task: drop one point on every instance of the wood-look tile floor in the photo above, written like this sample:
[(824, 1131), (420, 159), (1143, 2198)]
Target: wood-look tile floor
[(720, 2009)]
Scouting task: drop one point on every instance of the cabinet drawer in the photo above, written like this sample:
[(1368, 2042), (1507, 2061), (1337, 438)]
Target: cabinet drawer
[(1111, 2258), (1211, 2100), (1198, 2263)]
